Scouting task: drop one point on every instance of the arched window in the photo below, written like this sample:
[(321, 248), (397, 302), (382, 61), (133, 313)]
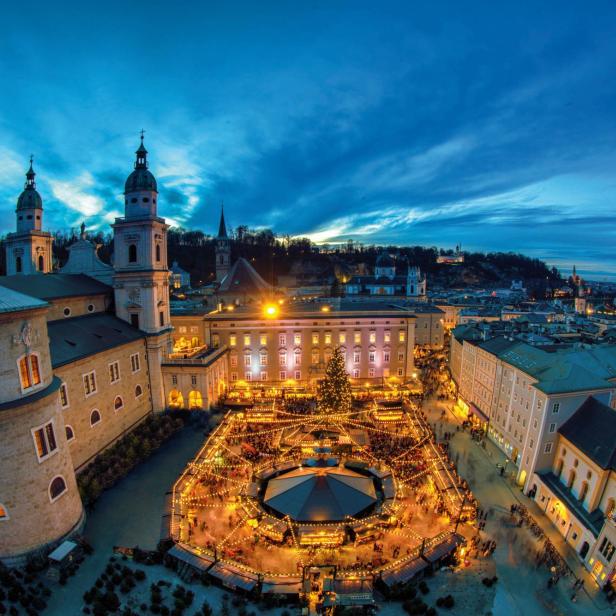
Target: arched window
[(95, 417), (158, 252), (195, 400), (583, 491), (118, 403), (132, 253), (138, 391), (559, 468), (4, 514), (57, 487), (611, 508), (70, 434), (571, 479), (41, 263), (176, 399), (18, 264)]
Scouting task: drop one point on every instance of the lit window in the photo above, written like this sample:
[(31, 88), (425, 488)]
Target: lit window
[(315, 338), (357, 337), (387, 336), (342, 338), (327, 355), (63, 396), (372, 337), (328, 337), (57, 487), (246, 340), (29, 371), (232, 340), (44, 441), (314, 359), (114, 372), (263, 339), (118, 403), (89, 383), (95, 417), (401, 336), (135, 366), (297, 338)]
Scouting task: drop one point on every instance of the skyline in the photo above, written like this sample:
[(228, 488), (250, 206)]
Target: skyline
[(491, 129)]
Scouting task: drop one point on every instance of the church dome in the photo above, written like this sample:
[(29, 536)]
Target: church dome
[(30, 198), (141, 178)]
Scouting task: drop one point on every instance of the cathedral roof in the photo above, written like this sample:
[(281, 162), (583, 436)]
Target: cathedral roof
[(141, 178), (243, 278), (54, 286), (30, 198), (13, 301)]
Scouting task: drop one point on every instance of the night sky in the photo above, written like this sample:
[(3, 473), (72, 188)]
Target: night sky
[(490, 126)]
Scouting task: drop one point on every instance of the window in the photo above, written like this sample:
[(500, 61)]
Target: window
[(57, 487), (247, 361), (161, 318), (118, 403), (193, 379), (552, 427), (314, 358), (386, 357), (371, 357), (90, 307), (283, 375), (556, 407), (246, 340), (41, 261), (401, 336), (372, 337), (400, 372), (132, 253), (18, 264), (134, 362), (328, 337), (371, 372), (44, 441), (63, 396), (342, 337), (327, 355), (356, 357), (89, 383), (232, 340), (114, 372), (282, 339), (174, 379), (607, 549), (95, 417), (387, 336), (158, 252), (297, 338), (355, 373), (70, 434), (134, 320), (138, 391), (263, 375), (248, 376), (263, 359), (357, 337), (531, 443), (583, 491), (4, 514), (298, 375), (29, 372), (282, 359), (315, 338), (401, 356), (67, 312), (297, 357), (233, 377), (262, 339)]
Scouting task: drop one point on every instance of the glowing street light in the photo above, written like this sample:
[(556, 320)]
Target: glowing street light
[(271, 311)]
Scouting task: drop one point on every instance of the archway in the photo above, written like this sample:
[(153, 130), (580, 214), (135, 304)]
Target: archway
[(176, 399), (195, 400)]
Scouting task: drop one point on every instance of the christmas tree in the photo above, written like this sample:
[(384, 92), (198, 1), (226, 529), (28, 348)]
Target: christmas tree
[(335, 389)]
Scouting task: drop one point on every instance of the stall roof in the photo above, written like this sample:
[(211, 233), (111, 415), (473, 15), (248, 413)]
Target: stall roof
[(405, 572), (62, 551), (233, 577), (442, 549), (202, 562)]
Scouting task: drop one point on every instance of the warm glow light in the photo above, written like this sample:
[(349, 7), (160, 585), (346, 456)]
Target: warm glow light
[(271, 310), (324, 308), (230, 307)]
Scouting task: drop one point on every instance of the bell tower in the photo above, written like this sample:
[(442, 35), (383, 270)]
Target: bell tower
[(141, 279), (223, 249), (28, 250)]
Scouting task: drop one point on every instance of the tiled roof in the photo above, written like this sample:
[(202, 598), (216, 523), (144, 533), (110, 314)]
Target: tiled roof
[(54, 286), (73, 339), (243, 278), (592, 429), (13, 301)]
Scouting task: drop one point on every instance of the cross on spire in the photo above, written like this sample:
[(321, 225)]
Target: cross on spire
[(142, 133)]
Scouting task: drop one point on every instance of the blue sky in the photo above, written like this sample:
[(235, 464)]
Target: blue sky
[(434, 123)]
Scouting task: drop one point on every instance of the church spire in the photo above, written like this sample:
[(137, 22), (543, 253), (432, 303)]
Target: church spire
[(142, 155), (30, 175), (222, 227)]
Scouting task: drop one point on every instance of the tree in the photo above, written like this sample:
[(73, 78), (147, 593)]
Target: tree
[(335, 389)]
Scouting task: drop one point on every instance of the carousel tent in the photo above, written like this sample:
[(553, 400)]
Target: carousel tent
[(320, 494)]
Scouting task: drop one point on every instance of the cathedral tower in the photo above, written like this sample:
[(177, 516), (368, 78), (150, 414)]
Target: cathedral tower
[(28, 250), (141, 280), (223, 249)]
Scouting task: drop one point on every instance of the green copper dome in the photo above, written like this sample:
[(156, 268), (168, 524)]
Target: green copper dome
[(30, 198), (141, 178)]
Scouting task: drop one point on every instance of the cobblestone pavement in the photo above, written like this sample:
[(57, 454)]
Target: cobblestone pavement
[(522, 586)]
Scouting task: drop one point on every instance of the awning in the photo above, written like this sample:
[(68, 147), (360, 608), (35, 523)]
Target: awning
[(479, 413), (232, 577), (201, 562)]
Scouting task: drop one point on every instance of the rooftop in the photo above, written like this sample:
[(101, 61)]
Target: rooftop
[(13, 301), (73, 339), (55, 286)]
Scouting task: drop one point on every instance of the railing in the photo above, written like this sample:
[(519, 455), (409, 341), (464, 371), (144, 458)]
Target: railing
[(211, 354)]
